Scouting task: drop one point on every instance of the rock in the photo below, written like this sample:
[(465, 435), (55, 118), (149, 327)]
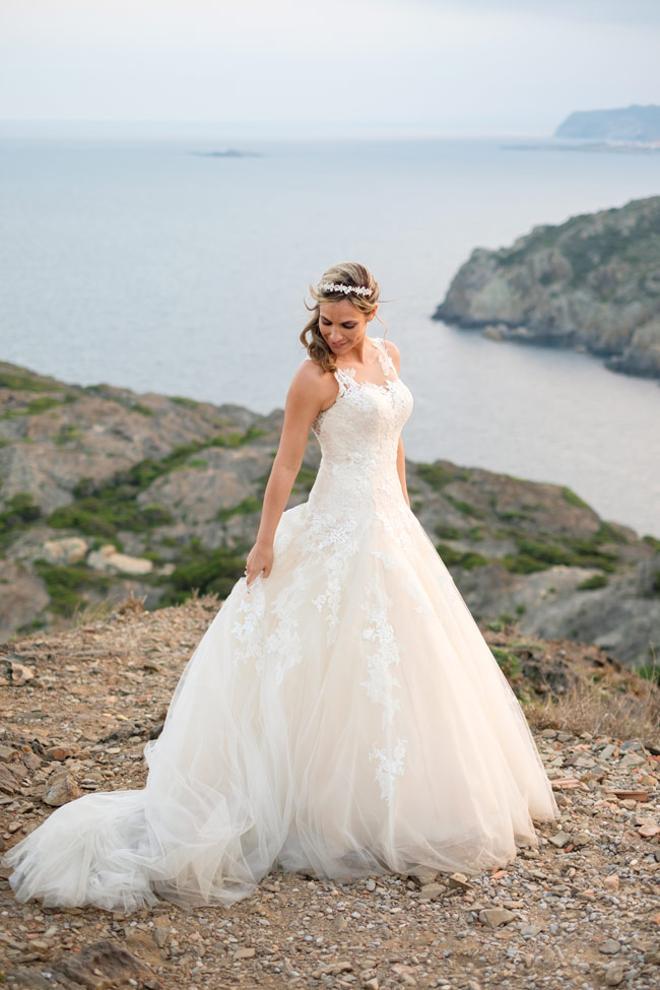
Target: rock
[(108, 558), (560, 839), (632, 760), (19, 673), (9, 783), (161, 932), (431, 890), (424, 875), (68, 550), (60, 753), (245, 953), (338, 966), (406, 974), (571, 284), (61, 789), (496, 916), (614, 974), (609, 946), (102, 965), (460, 881), (648, 829)]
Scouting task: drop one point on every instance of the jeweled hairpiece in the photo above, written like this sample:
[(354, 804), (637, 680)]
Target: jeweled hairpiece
[(359, 290)]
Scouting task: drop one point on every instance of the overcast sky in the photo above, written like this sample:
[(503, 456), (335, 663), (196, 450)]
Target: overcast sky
[(463, 67)]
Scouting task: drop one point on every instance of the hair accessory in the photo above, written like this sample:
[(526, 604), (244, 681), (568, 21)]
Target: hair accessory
[(359, 290)]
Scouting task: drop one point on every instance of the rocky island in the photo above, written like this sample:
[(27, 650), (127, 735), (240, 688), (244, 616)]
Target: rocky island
[(105, 492), (591, 283), (632, 124)]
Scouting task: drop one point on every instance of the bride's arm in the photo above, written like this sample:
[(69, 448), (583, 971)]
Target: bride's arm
[(308, 391), (401, 468)]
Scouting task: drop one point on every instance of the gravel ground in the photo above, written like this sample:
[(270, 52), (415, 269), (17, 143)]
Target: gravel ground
[(582, 911)]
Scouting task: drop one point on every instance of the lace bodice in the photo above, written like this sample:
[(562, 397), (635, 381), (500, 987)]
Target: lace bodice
[(359, 436)]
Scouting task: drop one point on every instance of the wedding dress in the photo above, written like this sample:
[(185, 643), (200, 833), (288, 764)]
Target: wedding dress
[(342, 717)]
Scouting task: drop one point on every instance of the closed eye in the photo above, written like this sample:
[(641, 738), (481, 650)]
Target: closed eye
[(348, 325)]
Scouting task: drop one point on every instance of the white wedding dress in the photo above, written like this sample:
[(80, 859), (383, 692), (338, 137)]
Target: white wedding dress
[(342, 717)]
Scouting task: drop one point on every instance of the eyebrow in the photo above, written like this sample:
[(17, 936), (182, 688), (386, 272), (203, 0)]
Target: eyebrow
[(349, 320)]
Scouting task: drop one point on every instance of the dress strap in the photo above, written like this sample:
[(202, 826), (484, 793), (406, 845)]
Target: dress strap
[(345, 378), (386, 362)]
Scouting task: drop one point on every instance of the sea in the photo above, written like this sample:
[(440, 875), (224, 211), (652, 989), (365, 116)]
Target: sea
[(146, 261)]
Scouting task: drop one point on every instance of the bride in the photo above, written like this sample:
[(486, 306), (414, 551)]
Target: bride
[(342, 715)]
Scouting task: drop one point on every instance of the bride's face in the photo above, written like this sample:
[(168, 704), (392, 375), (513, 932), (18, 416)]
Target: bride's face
[(342, 325)]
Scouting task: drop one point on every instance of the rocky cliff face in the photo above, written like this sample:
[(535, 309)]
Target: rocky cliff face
[(104, 492), (592, 283)]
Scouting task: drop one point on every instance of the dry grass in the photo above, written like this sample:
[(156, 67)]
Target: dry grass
[(627, 710)]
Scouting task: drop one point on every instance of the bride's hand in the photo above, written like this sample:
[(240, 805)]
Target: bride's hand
[(259, 561)]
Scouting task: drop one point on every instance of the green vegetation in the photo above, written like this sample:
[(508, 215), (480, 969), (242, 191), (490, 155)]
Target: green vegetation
[(538, 555), (590, 583), (20, 512), (305, 479), (204, 570), (475, 533), (437, 475), (105, 509), (67, 434), (41, 404), (66, 584), (447, 532), (508, 662), (183, 400), (465, 507), (244, 508), (108, 511), (22, 380), (460, 558), (650, 672), (569, 496), (655, 584)]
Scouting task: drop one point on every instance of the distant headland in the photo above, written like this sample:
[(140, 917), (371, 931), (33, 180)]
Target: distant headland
[(592, 283)]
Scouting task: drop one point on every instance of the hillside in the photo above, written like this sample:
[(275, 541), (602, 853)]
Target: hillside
[(592, 283), (633, 123), (104, 491), (581, 910)]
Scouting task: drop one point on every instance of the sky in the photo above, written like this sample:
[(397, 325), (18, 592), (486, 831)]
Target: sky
[(337, 67)]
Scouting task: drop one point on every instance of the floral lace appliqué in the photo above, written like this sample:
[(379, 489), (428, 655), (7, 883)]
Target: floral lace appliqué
[(382, 685)]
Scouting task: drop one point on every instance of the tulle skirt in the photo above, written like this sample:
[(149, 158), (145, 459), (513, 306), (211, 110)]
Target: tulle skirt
[(343, 717)]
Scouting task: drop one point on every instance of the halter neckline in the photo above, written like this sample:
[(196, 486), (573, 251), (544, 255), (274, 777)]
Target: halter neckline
[(385, 362)]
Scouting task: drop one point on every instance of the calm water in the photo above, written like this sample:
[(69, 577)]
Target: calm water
[(142, 264)]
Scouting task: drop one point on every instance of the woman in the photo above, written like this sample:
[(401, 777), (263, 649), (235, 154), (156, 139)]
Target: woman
[(342, 714)]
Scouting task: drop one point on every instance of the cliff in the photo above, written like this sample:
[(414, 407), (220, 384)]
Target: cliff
[(104, 492), (592, 282)]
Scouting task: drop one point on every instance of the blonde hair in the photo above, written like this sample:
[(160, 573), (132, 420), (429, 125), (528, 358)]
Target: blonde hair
[(349, 273)]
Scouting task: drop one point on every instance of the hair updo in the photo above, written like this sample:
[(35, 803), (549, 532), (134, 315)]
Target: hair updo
[(348, 273)]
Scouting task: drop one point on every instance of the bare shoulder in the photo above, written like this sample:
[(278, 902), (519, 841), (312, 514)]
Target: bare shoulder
[(310, 381), (393, 352)]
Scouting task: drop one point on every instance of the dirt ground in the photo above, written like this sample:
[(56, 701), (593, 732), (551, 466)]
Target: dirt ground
[(581, 911)]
